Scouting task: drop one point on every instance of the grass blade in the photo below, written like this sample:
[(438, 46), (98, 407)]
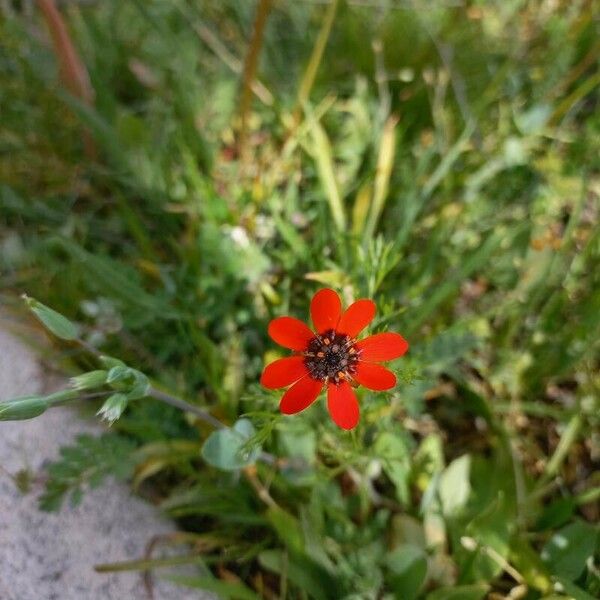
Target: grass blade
[(385, 163)]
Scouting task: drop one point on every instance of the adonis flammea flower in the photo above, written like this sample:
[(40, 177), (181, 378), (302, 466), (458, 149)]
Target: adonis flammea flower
[(332, 357)]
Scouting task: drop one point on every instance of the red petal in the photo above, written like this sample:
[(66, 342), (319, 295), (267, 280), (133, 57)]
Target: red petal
[(356, 317), (382, 346), (374, 377), (283, 372), (290, 333), (343, 405), (325, 309), (300, 396)]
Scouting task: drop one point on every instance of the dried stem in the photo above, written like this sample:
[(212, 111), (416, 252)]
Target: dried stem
[(73, 71), (249, 73)]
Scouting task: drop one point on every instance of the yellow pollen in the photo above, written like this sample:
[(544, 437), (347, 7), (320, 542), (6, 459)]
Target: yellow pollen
[(326, 341), (320, 354), (341, 375)]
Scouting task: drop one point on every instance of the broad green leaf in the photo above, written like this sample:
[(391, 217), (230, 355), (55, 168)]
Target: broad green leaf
[(568, 549), (395, 459), (454, 487), (575, 591), (490, 529), (60, 326), (408, 567), (556, 514), (460, 592), (224, 589), (225, 448), (528, 562), (407, 530)]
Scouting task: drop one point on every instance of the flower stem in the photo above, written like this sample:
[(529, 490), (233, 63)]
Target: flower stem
[(186, 406)]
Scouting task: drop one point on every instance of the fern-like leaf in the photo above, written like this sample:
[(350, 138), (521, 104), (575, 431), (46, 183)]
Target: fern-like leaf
[(84, 465)]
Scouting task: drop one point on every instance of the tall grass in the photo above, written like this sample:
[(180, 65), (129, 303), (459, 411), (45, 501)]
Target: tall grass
[(443, 161)]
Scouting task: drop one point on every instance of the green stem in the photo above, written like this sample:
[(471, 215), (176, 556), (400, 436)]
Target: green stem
[(315, 59), (147, 564), (568, 438)]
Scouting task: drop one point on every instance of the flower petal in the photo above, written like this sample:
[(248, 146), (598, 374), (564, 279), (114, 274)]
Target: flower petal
[(374, 377), (325, 309), (290, 333), (343, 405), (382, 346), (283, 372), (356, 317), (300, 396)]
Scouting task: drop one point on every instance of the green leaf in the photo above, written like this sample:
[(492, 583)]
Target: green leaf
[(532, 121), (298, 442), (568, 549), (85, 464), (224, 589), (408, 566), (23, 408), (287, 527), (490, 529), (118, 373), (527, 561), (454, 487), (574, 590), (396, 462), (140, 387), (556, 514), (60, 326), (460, 592), (225, 448), (110, 362), (301, 571)]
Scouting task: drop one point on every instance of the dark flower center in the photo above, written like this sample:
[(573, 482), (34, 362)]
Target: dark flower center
[(331, 356)]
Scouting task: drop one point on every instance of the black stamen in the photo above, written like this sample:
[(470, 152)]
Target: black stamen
[(331, 356)]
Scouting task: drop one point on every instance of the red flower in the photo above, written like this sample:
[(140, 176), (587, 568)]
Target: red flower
[(332, 357)]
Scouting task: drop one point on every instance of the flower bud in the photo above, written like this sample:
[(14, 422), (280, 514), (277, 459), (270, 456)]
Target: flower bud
[(89, 381), (23, 408), (113, 408)]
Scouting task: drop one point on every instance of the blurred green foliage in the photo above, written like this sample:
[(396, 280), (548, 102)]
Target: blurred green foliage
[(446, 164)]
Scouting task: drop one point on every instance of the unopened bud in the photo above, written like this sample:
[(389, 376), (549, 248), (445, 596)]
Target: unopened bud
[(23, 408), (89, 381)]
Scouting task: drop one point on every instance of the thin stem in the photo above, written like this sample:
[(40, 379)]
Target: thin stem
[(181, 404), (261, 491), (568, 438), (249, 72), (210, 38), (265, 457), (185, 406)]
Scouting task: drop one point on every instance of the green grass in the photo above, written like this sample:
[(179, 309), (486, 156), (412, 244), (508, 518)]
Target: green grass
[(442, 161)]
